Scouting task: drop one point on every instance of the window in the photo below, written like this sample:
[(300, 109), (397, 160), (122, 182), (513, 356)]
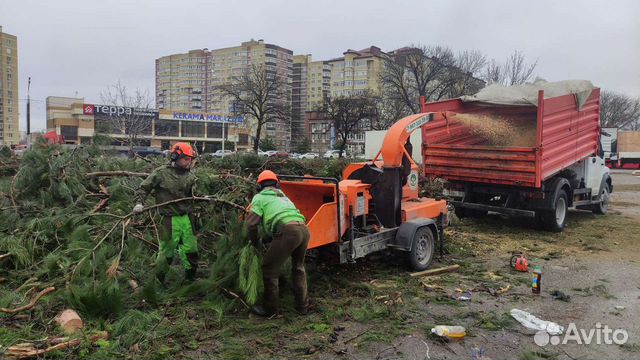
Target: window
[(69, 132), (105, 126), (166, 128), (243, 139), (192, 129), (214, 130)]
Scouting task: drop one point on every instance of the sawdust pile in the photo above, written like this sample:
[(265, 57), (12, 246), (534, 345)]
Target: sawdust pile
[(499, 131)]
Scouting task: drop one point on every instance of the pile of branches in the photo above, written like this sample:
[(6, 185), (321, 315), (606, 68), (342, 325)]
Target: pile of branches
[(66, 223)]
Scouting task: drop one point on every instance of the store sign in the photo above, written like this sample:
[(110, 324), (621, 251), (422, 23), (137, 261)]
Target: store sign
[(112, 110), (207, 117)]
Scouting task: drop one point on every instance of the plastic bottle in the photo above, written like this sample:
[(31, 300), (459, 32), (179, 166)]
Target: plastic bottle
[(536, 281), (451, 332)]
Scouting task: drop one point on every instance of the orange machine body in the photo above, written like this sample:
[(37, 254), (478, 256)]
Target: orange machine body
[(330, 209)]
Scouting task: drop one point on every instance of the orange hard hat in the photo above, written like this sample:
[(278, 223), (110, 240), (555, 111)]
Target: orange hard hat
[(183, 148), (267, 175)]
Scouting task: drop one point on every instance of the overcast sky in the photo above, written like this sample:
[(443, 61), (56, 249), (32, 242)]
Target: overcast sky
[(78, 48)]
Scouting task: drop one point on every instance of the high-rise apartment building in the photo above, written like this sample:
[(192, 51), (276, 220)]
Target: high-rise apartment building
[(187, 82), (181, 81), (9, 121), (357, 72), (310, 88)]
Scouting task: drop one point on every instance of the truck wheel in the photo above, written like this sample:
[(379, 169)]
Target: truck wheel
[(422, 248), (556, 219), (603, 207)]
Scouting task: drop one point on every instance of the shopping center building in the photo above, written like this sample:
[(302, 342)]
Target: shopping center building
[(78, 122)]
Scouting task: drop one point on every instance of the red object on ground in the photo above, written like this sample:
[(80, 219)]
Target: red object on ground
[(53, 138), (519, 263), (564, 135)]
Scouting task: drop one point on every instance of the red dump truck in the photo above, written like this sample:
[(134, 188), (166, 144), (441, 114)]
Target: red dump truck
[(562, 170)]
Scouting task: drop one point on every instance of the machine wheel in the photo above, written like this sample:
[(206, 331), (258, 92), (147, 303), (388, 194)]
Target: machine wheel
[(603, 207), (422, 249), (556, 219)]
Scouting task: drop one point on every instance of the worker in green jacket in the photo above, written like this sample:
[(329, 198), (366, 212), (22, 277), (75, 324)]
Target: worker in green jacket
[(282, 222), (166, 183)]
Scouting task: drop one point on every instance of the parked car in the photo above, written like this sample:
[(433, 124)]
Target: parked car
[(281, 154), (270, 152), (262, 153), (309, 155), (334, 154), (222, 153), (294, 156)]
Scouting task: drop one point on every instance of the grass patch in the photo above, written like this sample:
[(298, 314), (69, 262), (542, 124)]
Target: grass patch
[(494, 322)]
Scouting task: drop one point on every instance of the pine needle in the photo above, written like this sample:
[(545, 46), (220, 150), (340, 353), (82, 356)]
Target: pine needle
[(250, 277), (112, 270)]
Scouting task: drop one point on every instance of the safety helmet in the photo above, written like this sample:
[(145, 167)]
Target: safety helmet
[(267, 175), (181, 148)]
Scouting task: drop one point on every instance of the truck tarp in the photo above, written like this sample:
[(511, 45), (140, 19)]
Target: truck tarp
[(527, 94)]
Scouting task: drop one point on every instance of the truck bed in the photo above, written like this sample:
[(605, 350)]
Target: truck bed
[(564, 135)]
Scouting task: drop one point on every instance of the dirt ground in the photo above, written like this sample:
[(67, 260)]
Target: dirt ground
[(374, 310), (595, 261)]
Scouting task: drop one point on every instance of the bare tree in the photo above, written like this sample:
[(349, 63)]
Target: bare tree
[(514, 71), (389, 110), (350, 114), (619, 110), (133, 118), (464, 76), (260, 95), (433, 72)]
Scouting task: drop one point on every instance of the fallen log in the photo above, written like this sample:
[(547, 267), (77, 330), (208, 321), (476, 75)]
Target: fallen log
[(29, 305), (29, 350), (437, 271)]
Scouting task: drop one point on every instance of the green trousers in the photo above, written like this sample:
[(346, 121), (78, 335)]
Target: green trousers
[(177, 238)]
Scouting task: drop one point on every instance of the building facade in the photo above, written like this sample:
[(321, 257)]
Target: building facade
[(357, 72), (187, 82), (9, 119), (78, 122), (310, 89)]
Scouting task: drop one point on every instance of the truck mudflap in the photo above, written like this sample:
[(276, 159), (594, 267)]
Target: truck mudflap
[(498, 209)]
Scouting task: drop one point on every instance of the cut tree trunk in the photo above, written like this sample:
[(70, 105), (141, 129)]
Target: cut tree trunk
[(69, 321)]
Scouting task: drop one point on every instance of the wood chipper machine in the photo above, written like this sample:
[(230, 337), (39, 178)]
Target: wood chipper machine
[(376, 206)]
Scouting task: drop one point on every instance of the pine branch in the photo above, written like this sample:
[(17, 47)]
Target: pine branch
[(116, 173), (31, 304)]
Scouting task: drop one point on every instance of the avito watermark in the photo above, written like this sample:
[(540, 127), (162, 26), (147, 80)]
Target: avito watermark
[(601, 334)]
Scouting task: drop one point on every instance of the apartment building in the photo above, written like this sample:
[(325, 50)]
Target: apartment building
[(182, 81), (310, 88), (9, 120), (187, 82), (357, 72)]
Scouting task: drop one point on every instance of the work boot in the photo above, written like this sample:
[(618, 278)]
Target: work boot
[(190, 274), (262, 311), (302, 310), (162, 268)]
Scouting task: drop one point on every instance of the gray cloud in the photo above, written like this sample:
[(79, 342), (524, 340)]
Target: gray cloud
[(84, 46)]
